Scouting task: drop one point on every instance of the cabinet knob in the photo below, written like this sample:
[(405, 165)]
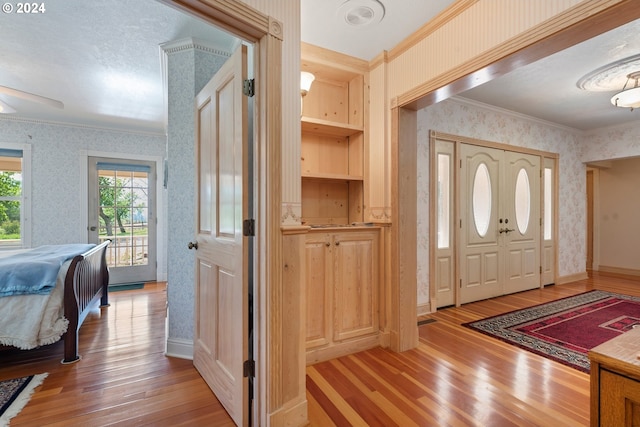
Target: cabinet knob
[(327, 244), (337, 243)]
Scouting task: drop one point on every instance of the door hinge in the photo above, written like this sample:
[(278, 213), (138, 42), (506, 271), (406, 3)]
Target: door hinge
[(249, 227), (248, 87), (540, 269), (249, 368), (460, 283)]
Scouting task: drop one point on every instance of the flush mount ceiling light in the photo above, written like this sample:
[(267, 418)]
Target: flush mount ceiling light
[(611, 76), (361, 13), (628, 97)]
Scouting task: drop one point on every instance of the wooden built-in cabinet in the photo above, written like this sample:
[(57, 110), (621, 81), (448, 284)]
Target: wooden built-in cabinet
[(332, 140), (615, 381), (342, 254), (342, 274)]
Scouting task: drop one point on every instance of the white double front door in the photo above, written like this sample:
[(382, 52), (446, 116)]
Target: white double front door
[(500, 222)]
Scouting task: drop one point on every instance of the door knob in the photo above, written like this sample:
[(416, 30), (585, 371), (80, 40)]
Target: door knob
[(193, 245), (92, 228)]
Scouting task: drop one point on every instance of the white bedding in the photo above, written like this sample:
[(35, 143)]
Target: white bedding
[(29, 321)]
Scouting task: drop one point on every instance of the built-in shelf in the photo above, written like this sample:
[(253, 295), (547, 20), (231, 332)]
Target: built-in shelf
[(337, 177), (328, 128)]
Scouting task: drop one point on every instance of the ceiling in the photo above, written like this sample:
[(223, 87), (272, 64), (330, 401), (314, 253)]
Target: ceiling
[(102, 60)]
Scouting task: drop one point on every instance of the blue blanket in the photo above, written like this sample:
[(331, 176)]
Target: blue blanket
[(35, 271)]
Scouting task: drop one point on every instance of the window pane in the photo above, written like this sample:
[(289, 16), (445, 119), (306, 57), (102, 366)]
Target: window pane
[(522, 201), (481, 199), (444, 188), (123, 214), (548, 207), (10, 201)]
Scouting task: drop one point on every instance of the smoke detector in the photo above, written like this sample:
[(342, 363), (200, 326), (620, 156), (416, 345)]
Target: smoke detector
[(361, 13)]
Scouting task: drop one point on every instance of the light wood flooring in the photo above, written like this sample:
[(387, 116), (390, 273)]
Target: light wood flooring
[(123, 379), (456, 377)]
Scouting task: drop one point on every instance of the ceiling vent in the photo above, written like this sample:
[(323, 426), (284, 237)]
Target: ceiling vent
[(361, 13)]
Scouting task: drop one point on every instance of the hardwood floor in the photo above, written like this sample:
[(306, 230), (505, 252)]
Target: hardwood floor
[(456, 377), (123, 378)]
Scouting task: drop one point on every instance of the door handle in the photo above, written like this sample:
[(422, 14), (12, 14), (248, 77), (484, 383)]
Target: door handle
[(193, 245)]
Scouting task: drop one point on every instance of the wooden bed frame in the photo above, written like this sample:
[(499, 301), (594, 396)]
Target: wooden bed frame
[(86, 282)]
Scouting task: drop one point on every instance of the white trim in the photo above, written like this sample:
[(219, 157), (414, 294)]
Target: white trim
[(196, 43), (182, 349), (80, 126), (26, 221), (424, 308), (161, 208)]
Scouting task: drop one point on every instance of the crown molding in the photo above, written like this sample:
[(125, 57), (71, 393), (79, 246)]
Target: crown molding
[(192, 43), (80, 126)]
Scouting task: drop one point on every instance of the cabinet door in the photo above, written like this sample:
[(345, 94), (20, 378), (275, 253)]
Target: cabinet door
[(318, 286), (355, 287), (619, 400)]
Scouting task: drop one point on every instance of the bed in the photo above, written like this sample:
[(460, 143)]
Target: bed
[(56, 310)]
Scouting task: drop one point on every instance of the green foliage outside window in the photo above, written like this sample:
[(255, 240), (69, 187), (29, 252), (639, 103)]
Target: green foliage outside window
[(10, 187), (116, 202)]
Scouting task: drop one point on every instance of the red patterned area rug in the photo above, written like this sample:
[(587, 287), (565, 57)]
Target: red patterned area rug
[(566, 329)]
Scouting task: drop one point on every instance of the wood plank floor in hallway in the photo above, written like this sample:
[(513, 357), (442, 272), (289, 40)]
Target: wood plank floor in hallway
[(456, 377)]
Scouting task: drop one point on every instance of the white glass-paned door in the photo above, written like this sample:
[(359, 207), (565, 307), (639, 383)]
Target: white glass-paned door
[(123, 211)]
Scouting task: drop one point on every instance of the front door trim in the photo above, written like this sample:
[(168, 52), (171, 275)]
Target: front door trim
[(456, 140)]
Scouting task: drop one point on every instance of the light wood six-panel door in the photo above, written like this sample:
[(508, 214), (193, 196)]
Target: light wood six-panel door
[(221, 309)]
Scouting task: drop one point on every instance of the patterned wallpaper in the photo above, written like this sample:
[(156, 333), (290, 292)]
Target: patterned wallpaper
[(461, 117), (188, 70), (57, 178), (613, 143)]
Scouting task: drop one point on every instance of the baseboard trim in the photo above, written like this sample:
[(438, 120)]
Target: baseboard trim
[(618, 271), (291, 415), (182, 349), (572, 278), (424, 309)]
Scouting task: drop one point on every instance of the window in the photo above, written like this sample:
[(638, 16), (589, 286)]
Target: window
[(523, 201), (14, 190), (548, 200), (481, 199), (444, 197)]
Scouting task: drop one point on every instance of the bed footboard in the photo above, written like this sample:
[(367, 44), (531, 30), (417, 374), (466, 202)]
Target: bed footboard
[(86, 283)]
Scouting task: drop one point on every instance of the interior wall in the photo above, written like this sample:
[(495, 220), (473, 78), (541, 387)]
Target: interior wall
[(614, 142), (57, 177), (189, 68), (475, 120), (619, 202)]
